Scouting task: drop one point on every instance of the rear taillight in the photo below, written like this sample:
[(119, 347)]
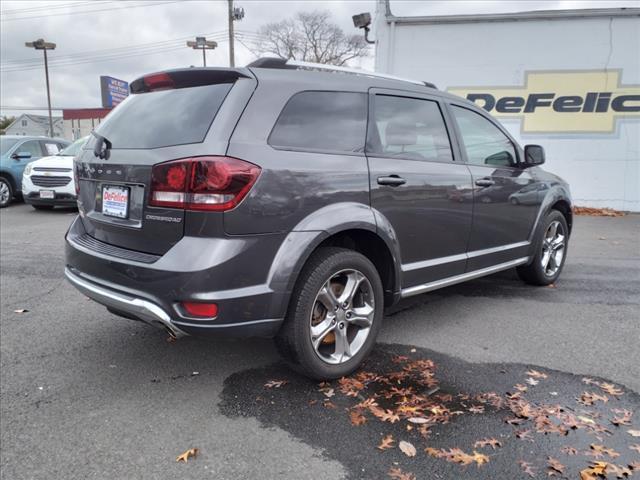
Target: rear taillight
[(204, 310), (202, 183)]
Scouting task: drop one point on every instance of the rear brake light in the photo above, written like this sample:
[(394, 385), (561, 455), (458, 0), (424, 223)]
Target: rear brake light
[(205, 310), (158, 81), (202, 183)]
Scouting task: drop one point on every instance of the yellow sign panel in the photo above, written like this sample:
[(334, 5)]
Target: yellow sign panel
[(573, 101)]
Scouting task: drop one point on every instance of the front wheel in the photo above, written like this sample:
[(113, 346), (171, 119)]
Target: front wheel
[(6, 192), (551, 251), (334, 315)]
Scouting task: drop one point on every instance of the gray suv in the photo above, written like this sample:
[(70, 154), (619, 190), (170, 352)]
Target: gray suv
[(279, 200)]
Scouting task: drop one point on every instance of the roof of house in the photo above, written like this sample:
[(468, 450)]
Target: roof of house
[(40, 119)]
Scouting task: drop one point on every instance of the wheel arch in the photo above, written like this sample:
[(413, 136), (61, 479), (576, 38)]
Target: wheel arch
[(349, 225), (7, 176)]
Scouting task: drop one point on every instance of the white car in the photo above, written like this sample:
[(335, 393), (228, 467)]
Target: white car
[(49, 182)]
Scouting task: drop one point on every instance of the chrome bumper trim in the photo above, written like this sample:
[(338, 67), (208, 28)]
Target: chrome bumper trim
[(143, 309)]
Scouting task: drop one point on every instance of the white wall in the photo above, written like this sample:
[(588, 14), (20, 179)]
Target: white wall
[(603, 168)]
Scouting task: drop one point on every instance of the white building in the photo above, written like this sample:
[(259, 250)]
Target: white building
[(35, 125), (566, 79)]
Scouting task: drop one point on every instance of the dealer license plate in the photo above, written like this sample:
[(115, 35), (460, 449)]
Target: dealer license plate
[(115, 201)]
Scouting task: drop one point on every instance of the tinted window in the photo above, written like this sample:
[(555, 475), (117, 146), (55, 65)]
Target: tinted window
[(484, 143), (322, 121), (6, 144), (32, 147), (408, 128), (164, 118)]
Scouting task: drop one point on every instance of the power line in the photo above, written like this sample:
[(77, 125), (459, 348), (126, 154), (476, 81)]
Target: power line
[(49, 7), (80, 12), (79, 55)]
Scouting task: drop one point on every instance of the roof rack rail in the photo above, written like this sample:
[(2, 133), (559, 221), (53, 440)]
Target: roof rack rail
[(274, 62)]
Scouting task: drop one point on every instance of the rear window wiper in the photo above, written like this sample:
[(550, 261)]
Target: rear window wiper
[(102, 148)]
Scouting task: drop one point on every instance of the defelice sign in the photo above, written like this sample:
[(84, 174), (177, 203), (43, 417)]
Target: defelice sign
[(575, 101), (113, 91)]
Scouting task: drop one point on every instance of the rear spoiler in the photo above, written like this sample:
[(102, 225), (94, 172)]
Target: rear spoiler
[(186, 78)]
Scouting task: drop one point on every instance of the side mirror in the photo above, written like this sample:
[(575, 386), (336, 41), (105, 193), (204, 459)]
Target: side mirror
[(533, 155), (19, 155)]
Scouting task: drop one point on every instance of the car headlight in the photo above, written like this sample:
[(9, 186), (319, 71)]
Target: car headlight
[(27, 169)]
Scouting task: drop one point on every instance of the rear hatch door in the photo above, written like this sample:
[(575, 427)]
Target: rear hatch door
[(166, 118)]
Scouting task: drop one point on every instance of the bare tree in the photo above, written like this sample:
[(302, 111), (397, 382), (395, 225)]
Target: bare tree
[(310, 37)]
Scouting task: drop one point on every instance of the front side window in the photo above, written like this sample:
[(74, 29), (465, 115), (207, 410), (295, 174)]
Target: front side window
[(329, 121), (32, 147), (484, 143), (408, 128)]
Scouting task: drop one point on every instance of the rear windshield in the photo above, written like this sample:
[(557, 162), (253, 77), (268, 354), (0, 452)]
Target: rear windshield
[(164, 118)]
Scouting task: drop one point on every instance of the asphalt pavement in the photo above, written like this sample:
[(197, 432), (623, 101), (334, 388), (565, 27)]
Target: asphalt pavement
[(84, 394)]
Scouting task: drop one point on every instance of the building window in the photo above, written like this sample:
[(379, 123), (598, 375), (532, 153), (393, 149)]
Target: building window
[(23, 123)]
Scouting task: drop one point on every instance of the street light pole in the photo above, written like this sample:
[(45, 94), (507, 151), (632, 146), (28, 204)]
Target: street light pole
[(235, 14), (40, 44), (232, 61), (201, 43)]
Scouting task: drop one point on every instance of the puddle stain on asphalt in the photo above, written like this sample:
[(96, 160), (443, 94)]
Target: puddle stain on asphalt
[(509, 413)]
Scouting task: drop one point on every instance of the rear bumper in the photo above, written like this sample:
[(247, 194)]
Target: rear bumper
[(151, 292), (61, 199)]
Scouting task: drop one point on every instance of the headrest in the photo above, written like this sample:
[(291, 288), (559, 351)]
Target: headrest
[(400, 133)]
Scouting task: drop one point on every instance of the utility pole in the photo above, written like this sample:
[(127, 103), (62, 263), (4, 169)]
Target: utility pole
[(235, 14), (40, 44), (203, 44)]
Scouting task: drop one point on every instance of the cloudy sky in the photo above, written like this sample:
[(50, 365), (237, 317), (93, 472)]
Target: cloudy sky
[(127, 38)]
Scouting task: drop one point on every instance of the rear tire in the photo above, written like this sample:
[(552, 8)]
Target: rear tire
[(551, 244), (43, 207), (6, 192), (328, 331)]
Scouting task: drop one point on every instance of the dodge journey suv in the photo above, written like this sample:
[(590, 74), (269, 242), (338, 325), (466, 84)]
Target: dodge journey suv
[(285, 201)]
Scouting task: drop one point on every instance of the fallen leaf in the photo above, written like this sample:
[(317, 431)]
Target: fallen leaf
[(527, 468), (600, 450), (275, 383), (554, 467), (569, 450), (21, 310), (634, 433), (635, 447), (398, 474), (386, 443), (418, 420), (623, 417), (357, 418), (192, 452), (611, 389), (487, 442), (407, 448), (456, 455), (597, 212), (590, 398), (597, 469), (536, 374), (531, 381), (618, 471), (328, 403), (524, 435)]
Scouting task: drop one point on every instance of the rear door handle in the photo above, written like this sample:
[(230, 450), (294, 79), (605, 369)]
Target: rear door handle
[(391, 180), (484, 182)]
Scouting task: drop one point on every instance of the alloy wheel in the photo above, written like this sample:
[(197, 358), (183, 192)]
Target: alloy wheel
[(342, 316), (553, 247), (4, 193)]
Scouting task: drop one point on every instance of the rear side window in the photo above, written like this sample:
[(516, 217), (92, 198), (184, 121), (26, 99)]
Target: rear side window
[(409, 128), (333, 121), (164, 118)]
